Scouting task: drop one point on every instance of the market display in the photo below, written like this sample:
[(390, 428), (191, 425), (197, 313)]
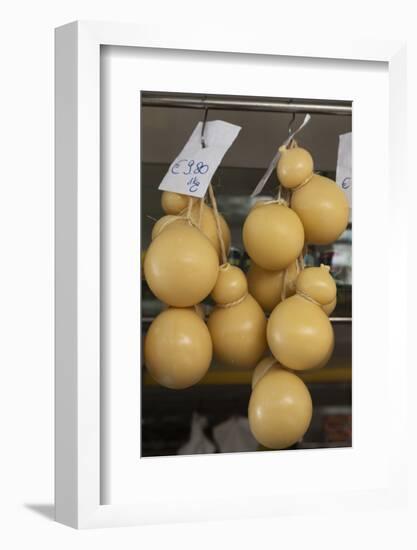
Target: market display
[(187, 262), (300, 335)]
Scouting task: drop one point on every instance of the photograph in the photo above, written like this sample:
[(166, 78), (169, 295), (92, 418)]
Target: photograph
[(246, 291)]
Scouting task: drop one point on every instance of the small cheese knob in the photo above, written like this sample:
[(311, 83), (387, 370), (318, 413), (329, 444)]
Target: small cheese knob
[(230, 286), (294, 167), (318, 284), (173, 203)]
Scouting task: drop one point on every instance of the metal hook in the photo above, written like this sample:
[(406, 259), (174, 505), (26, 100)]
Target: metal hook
[(203, 140), (291, 123)]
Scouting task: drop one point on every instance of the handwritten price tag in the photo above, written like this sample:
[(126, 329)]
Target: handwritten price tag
[(192, 170), (344, 165)]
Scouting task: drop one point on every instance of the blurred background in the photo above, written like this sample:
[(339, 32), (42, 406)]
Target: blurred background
[(212, 416)]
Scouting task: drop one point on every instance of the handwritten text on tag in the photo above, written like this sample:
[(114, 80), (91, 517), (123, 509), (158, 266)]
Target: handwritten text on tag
[(192, 170), (344, 165)]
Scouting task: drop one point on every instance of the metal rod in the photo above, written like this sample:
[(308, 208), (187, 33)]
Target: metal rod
[(331, 319), (220, 102)]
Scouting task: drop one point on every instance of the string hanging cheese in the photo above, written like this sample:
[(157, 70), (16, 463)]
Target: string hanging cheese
[(181, 265)]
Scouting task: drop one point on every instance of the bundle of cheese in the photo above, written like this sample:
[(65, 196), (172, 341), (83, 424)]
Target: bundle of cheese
[(320, 204), (299, 333), (181, 268)]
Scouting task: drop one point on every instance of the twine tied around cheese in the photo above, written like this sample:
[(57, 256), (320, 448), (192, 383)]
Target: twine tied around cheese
[(224, 267), (235, 303), (309, 298), (218, 227), (303, 183), (187, 213), (284, 279), (167, 222), (278, 200)]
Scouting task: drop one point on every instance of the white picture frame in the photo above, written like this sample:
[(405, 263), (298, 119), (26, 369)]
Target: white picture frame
[(85, 454)]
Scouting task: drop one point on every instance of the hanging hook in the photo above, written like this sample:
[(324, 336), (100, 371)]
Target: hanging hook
[(203, 140), (291, 123)]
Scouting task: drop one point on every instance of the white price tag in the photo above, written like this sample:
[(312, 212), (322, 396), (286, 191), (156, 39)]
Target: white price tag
[(192, 170), (344, 165)]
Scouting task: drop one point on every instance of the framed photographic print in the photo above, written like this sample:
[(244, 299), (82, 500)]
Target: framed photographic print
[(220, 346)]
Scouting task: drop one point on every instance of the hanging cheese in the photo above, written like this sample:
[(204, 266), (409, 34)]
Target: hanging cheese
[(230, 286), (320, 204), (294, 167), (237, 324), (273, 236), (178, 348), (181, 265), (173, 203), (280, 409), (317, 283), (323, 209), (299, 334)]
